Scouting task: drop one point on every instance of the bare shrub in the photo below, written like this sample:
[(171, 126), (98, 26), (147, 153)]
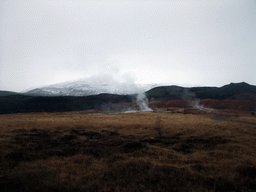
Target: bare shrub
[(159, 126)]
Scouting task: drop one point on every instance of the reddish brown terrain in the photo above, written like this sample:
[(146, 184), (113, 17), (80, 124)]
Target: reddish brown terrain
[(248, 105), (228, 107)]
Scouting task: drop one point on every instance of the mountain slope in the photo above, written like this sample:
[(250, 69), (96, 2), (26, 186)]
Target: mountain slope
[(8, 93), (165, 92), (11, 102), (24, 104), (239, 91), (85, 88)]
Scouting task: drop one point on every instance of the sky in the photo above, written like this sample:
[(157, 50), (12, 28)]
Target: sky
[(172, 42)]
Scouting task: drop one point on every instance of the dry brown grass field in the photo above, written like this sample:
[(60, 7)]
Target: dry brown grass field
[(127, 152)]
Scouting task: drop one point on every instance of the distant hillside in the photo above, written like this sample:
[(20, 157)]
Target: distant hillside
[(24, 104), (89, 87), (8, 93), (165, 92), (233, 91), (11, 102)]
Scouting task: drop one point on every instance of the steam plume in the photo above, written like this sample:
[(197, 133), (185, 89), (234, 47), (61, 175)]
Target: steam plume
[(191, 98), (142, 102)]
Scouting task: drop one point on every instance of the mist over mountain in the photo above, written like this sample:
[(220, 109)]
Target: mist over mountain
[(106, 84), (90, 87)]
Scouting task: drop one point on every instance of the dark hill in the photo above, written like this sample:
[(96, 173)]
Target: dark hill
[(233, 90), (24, 104), (7, 93), (239, 91), (165, 92)]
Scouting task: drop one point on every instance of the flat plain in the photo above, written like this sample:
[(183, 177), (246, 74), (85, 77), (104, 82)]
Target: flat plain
[(147, 151)]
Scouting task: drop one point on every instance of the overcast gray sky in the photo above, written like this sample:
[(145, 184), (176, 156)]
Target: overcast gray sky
[(181, 42)]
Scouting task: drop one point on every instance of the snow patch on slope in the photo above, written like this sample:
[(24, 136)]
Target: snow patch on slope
[(90, 87)]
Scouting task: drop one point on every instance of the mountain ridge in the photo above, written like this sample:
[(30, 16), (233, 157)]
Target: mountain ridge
[(240, 91), (89, 87), (11, 102), (8, 93)]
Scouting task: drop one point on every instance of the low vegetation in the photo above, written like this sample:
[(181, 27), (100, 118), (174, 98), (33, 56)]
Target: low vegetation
[(127, 152), (242, 105)]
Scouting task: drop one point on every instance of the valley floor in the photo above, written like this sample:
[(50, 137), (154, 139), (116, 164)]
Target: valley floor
[(127, 152)]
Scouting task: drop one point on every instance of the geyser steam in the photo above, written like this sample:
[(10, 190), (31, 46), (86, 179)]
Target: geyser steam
[(191, 98), (142, 102), (123, 84), (195, 104)]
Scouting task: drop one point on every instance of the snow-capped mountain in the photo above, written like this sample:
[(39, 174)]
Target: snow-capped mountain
[(90, 87)]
